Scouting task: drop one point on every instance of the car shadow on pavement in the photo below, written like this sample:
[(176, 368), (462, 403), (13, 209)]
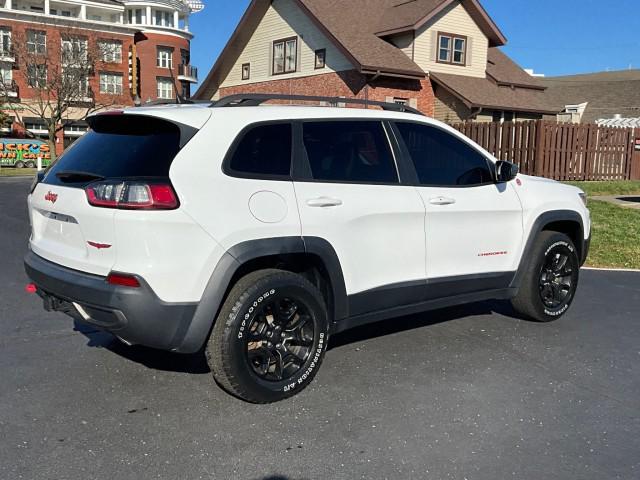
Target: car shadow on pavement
[(197, 364), (411, 322), (149, 357)]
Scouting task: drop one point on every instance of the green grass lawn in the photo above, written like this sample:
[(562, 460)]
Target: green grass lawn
[(615, 236), (617, 187), (14, 172)]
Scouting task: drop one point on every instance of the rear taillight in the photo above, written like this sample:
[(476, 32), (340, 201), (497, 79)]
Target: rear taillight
[(122, 280), (132, 195)]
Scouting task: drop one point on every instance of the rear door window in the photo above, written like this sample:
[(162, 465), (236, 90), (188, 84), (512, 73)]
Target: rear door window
[(262, 151), (121, 146), (349, 151), (443, 160)]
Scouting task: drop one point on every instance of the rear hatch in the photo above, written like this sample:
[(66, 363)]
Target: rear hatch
[(73, 208)]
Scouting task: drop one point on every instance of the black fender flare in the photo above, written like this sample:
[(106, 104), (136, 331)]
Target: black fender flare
[(538, 226), (196, 333)]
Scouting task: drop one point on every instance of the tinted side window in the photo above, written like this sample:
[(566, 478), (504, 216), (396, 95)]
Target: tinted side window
[(264, 150), (344, 151), (442, 159)]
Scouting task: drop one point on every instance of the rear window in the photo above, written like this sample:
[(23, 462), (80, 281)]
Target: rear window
[(121, 146)]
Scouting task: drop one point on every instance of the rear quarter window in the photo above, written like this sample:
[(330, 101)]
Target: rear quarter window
[(121, 146), (262, 151)]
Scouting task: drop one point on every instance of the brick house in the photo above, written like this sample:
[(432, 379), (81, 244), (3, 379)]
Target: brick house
[(440, 56), (148, 54)]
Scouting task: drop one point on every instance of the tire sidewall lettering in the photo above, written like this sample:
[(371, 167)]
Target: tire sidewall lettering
[(249, 314)]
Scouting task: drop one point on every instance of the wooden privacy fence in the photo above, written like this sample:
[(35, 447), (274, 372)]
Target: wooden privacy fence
[(561, 151)]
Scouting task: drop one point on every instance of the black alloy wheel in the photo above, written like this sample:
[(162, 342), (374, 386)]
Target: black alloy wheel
[(280, 339), (556, 277), (549, 279), (270, 336)]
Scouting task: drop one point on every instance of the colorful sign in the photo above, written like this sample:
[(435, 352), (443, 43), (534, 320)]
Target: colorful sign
[(23, 152)]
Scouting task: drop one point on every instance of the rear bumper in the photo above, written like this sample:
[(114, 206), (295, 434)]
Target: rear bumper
[(135, 315)]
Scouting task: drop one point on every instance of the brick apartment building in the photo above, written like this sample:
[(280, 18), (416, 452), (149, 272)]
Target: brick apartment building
[(144, 56), (440, 56)]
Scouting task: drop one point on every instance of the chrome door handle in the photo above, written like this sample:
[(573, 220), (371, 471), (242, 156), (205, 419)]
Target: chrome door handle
[(324, 202), (442, 201)]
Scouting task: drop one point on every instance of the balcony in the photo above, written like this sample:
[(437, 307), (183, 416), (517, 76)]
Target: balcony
[(187, 73), (9, 89)]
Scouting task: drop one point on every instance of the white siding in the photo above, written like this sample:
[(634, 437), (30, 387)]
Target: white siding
[(456, 20), (284, 19)]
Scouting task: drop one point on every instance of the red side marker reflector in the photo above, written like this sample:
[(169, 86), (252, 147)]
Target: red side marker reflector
[(31, 288), (123, 280)]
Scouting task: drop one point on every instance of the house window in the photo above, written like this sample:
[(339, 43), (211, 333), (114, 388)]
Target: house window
[(110, 51), (37, 76), (111, 83), (74, 50), (5, 42), (452, 49), (246, 71), (401, 101), (163, 18), (36, 42), (6, 74), (80, 84), (165, 88), (321, 58), (164, 57), (285, 56), (137, 16)]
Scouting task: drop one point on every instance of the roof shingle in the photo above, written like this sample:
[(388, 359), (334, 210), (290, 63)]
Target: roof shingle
[(607, 93)]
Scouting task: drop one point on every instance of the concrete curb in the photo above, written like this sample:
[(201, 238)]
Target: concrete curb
[(633, 270)]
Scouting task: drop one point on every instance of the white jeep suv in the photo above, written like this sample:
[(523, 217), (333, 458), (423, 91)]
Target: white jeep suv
[(257, 231)]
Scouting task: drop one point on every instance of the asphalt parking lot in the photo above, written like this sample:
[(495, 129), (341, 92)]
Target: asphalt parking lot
[(463, 393)]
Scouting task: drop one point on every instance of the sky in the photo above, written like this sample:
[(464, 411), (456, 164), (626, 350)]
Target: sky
[(553, 37)]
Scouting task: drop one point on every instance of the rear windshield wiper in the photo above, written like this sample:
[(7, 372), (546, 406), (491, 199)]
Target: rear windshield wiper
[(78, 176)]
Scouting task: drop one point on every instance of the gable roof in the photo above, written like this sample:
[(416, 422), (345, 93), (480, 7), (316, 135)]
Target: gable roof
[(406, 15), (353, 32), (506, 87), (607, 93), (356, 28)]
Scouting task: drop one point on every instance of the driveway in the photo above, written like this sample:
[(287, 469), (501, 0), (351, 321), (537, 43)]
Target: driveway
[(463, 393)]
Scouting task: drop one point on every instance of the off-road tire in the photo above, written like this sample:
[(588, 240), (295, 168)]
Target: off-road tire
[(532, 301), (230, 345)]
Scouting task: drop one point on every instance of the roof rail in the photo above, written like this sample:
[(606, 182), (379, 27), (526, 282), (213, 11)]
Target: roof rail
[(171, 101), (255, 99)]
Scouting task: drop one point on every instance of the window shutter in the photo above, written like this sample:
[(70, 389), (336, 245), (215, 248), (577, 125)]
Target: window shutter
[(434, 46), (270, 58), (413, 102), (469, 55)]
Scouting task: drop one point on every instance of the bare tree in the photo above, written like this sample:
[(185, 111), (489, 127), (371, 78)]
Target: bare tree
[(59, 91)]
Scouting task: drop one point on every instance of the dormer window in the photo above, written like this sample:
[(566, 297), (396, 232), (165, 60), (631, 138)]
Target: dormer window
[(452, 49)]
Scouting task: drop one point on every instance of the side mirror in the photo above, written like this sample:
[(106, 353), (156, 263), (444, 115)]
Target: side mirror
[(506, 171)]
